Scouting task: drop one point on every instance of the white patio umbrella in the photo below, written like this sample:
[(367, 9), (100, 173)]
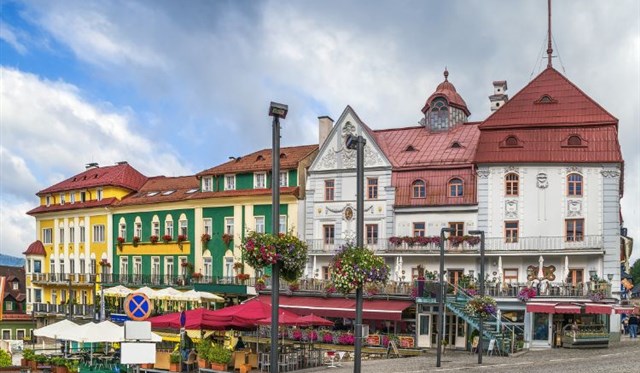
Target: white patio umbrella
[(146, 291), (566, 268), (500, 270), (117, 291), (199, 296), (540, 263), (169, 294), (54, 330)]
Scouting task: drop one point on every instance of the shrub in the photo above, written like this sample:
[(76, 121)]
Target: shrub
[(219, 354), (5, 359)]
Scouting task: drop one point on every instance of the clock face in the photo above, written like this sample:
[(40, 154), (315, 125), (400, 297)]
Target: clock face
[(348, 213)]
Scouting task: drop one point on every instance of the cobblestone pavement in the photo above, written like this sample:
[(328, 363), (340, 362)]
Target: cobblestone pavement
[(620, 357)]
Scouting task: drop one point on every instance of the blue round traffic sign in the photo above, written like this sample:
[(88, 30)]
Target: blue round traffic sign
[(138, 306)]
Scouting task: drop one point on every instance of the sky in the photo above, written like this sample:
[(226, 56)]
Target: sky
[(176, 87)]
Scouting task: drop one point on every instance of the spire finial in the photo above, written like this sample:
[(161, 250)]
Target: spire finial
[(446, 74), (549, 47)]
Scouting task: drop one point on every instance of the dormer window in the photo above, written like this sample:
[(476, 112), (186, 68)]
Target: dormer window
[(410, 148), (260, 158), (456, 145), (283, 155), (259, 180), (62, 198), (456, 188), (511, 141), (419, 189), (574, 141), (83, 196), (72, 197), (439, 114), (99, 194), (47, 200), (229, 182), (207, 184), (545, 99), (284, 178)]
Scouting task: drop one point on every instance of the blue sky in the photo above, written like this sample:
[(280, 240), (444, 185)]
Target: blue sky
[(177, 87)]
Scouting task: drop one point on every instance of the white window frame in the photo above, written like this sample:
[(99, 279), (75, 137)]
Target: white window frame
[(284, 179), (124, 265), (47, 201), (168, 227), (123, 230), (98, 233), (61, 234), (83, 234), (47, 236), (260, 180), (169, 266), (184, 227), (72, 197), (230, 182), (207, 184), (259, 224), (207, 224), (72, 234), (138, 229), (99, 194), (228, 225), (155, 226), (208, 266), (15, 285), (282, 224), (83, 266), (62, 199), (183, 270)]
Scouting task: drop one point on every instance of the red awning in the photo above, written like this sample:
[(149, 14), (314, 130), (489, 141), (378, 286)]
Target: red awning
[(623, 309), (604, 309), (341, 307), (567, 308), (541, 307)]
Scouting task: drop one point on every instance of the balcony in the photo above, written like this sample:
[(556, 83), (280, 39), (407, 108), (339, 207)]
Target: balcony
[(63, 279), (495, 244), (77, 310), (138, 280)]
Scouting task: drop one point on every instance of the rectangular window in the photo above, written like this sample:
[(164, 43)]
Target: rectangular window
[(20, 334), (183, 227), (8, 305), (137, 266), (230, 182), (83, 266), (47, 234), (208, 226), (52, 266), (83, 235), (63, 296), (372, 188), (16, 285), (61, 235), (510, 231), (576, 276), (72, 234), (62, 266), (284, 178), (168, 228), (124, 265), (207, 267), (123, 230), (83, 196), (138, 229), (37, 266), (283, 224), (99, 194), (72, 266), (37, 295), (510, 275), (326, 273), (372, 234), (47, 200), (228, 226), (72, 197), (418, 229), (155, 228), (259, 180), (62, 198), (458, 228), (329, 190), (329, 233), (98, 233), (6, 334), (28, 266), (511, 182), (207, 184), (260, 224), (574, 229), (54, 297), (92, 268)]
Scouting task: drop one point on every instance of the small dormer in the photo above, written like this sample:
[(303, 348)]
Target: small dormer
[(445, 108)]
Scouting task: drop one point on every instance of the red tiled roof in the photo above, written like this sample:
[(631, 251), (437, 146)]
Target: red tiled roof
[(436, 181), (36, 248), (448, 91), (72, 206), (432, 149), (550, 145), (568, 106), (161, 189), (295, 191), (15, 316), (121, 175), (261, 161)]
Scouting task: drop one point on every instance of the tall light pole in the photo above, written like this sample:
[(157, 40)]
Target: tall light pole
[(357, 143), (442, 295), (276, 111), (480, 327)]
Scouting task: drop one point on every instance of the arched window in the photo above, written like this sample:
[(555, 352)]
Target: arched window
[(122, 228), (574, 141), (183, 225), (511, 141), (137, 232), (511, 184), (574, 184), (456, 188), (439, 115), (168, 225), (419, 189), (155, 226)]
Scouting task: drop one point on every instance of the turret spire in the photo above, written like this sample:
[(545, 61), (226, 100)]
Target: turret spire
[(549, 47)]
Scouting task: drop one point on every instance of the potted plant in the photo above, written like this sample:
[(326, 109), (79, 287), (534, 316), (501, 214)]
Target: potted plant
[(182, 238), (167, 238), (262, 249), (219, 357), (28, 358), (59, 364), (41, 360), (481, 306), (203, 348), (242, 277), (136, 240), (73, 366), (354, 267), (120, 242), (153, 239), (205, 238), (174, 361), (227, 238)]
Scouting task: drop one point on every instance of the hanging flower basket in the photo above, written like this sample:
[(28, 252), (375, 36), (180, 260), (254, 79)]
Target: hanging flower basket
[(354, 267), (261, 249), (167, 238), (227, 238), (526, 294), (120, 242), (242, 277), (596, 295), (481, 306), (136, 240), (205, 238), (182, 238), (238, 266), (261, 284), (153, 239)]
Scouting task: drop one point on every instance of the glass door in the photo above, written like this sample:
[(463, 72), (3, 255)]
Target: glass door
[(424, 330)]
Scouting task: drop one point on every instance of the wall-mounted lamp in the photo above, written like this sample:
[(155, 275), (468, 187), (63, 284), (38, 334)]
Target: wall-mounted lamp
[(610, 277)]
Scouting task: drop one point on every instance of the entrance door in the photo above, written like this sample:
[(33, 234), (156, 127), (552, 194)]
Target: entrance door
[(424, 330), (540, 329)]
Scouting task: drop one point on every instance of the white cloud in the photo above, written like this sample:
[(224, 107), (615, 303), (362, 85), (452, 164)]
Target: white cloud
[(9, 35)]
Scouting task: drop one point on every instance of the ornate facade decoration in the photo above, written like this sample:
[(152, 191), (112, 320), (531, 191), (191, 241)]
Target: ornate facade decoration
[(348, 213), (511, 209), (610, 173), (542, 180), (483, 174), (574, 207), (574, 169), (511, 169), (328, 161)]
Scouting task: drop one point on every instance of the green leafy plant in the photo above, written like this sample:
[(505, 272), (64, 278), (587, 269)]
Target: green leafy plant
[(354, 267), (219, 354), (28, 354), (174, 358), (203, 347), (481, 306), (73, 366), (262, 249), (5, 359), (41, 359), (58, 361)]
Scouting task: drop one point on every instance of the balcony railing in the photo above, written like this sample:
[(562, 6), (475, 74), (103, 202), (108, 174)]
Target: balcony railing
[(540, 243), (64, 278), (79, 310), (147, 280)]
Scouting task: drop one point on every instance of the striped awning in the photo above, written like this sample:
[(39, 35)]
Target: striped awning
[(623, 309), (603, 309)]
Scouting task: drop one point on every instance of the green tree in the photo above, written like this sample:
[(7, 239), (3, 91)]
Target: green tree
[(635, 272), (5, 359)]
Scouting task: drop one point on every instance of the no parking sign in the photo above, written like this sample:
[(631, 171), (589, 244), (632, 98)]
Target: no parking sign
[(138, 306)]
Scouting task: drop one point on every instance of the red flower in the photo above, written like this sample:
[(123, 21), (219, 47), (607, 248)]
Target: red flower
[(120, 240)]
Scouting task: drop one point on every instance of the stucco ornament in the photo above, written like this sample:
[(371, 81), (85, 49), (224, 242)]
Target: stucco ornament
[(348, 213), (482, 174), (610, 173), (574, 207), (511, 209), (542, 181)]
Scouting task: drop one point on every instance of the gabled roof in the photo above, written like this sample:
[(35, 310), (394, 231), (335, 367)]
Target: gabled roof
[(549, 100), (161, 189), (261, 161), (121, 175), (72, 206), (36, 248), (430, 149)]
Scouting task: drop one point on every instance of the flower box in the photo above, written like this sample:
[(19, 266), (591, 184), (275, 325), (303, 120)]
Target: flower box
[(153, 239), (182, 238), (167, 238)]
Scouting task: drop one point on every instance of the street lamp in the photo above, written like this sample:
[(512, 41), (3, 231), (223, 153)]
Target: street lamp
[(276, 111), (357, 143), (480, 326), (442, 295)]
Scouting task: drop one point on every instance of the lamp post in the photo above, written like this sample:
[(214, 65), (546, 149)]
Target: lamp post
[(276, 111), (480, 327), (357, 143), (442, 295)]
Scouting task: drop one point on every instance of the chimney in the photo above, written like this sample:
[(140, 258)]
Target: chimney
[(325, 124), (89, 166), (499, 96)]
